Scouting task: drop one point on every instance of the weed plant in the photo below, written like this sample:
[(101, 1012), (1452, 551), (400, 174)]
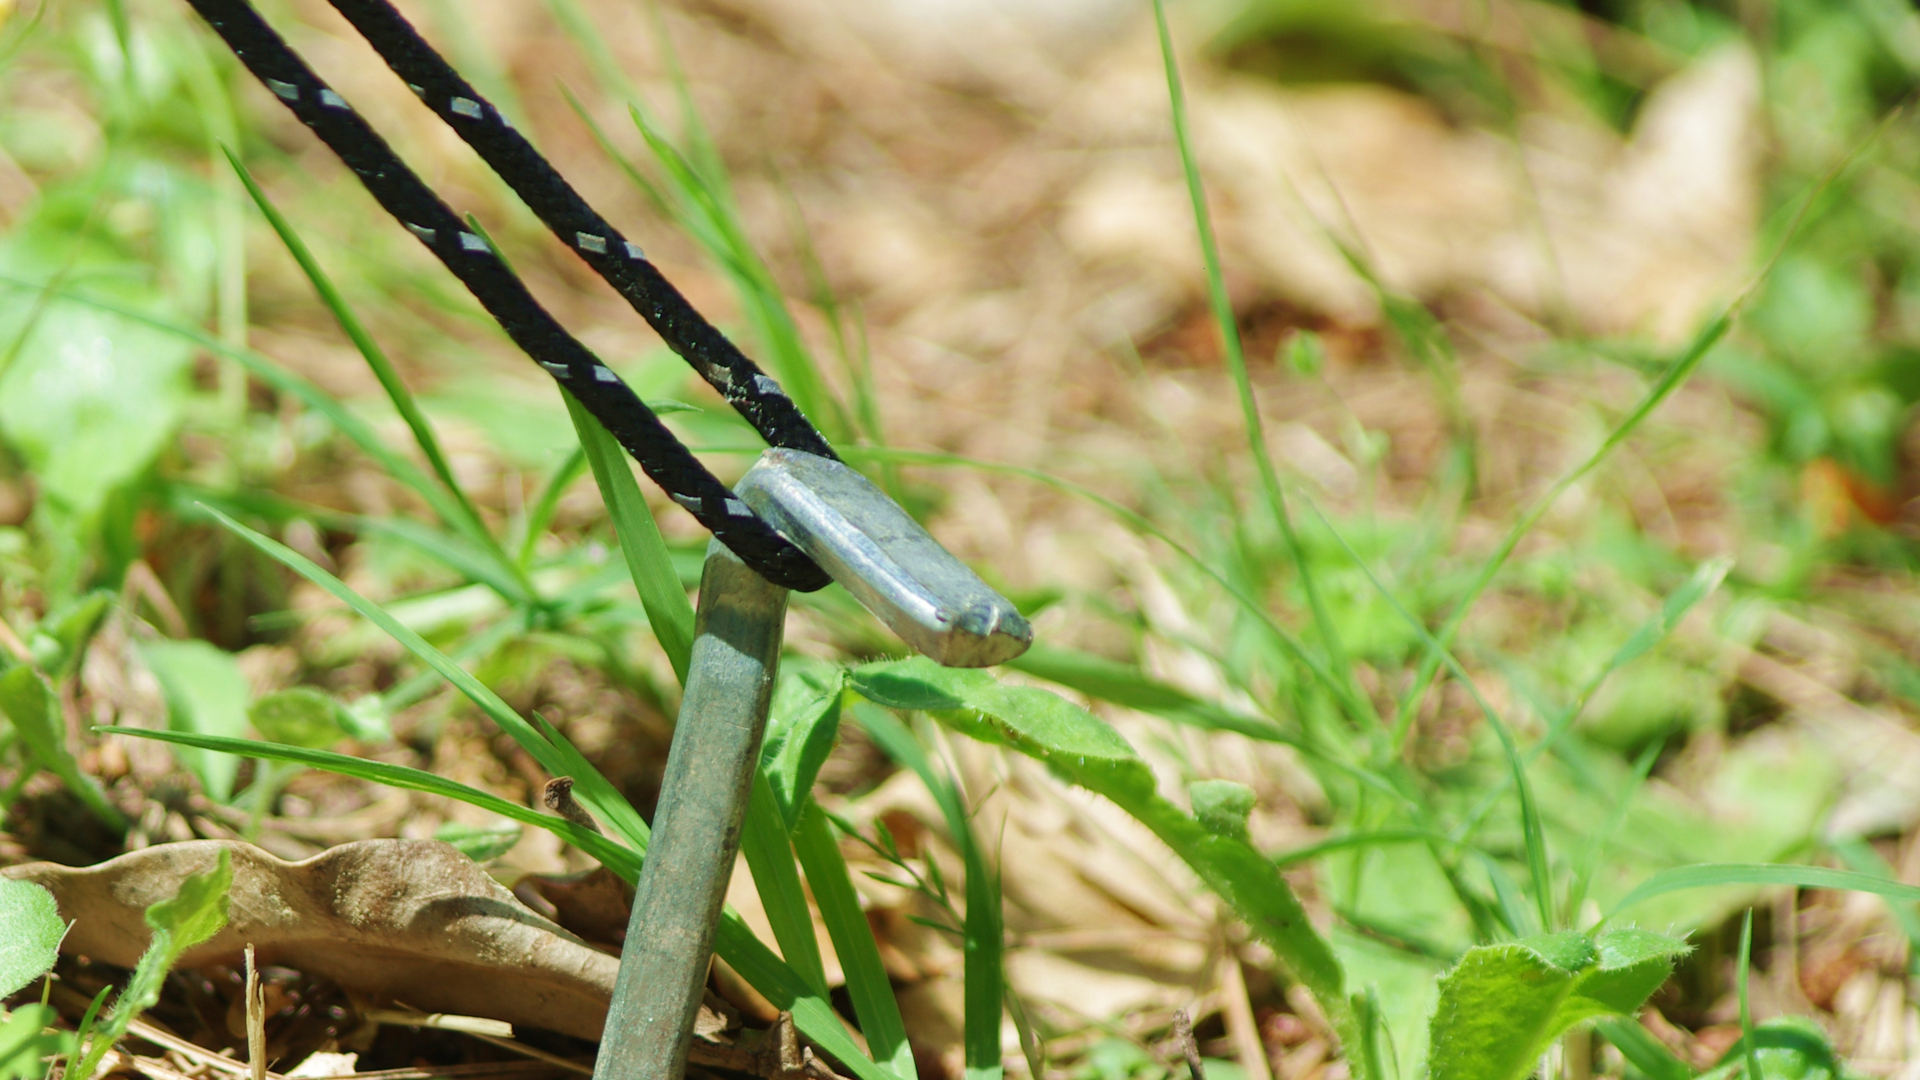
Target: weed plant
[(1481, 911)]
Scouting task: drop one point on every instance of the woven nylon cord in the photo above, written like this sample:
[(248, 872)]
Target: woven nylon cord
[(471, 259), (755, 395)]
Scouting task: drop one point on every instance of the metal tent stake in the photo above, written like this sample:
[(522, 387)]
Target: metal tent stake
[(885, 559)]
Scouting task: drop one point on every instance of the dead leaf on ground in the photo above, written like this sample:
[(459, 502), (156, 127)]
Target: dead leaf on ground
[(390, 921)]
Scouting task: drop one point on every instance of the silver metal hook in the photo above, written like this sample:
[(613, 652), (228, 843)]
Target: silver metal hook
[(867, 543)]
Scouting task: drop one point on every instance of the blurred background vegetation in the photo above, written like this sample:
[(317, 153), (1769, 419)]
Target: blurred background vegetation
[(1461, 239)]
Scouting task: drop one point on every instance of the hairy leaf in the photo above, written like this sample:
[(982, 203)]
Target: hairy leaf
[(30, 933), (1501, 1005)]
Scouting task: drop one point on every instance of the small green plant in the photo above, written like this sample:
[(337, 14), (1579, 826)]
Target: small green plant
[(30, 935), (195, 914)]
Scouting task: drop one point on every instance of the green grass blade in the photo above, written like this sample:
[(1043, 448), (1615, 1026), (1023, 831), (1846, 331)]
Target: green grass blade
[(1360, 840), (867, 982), (1676, 374), (1124, 684), (1709, 875), (1236, 361), (84, 1029), (856, 362), (1705, 579), (206, 692), (1622, 803), (356, 331), (623, 819), (548, 502), (578, 26), (769, 854), (668, 609), (1642, 1050), (782, 986), (982, 933), (616, 856), (1532, 830), (592, 788), (1744, 965), (1860, 856), (703, 205), (454, 551)]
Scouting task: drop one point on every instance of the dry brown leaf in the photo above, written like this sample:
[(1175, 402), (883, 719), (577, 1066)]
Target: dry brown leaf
[(407, 921)]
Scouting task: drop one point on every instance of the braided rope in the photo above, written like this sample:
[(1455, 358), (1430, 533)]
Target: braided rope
[(577, 225), (471, 259)]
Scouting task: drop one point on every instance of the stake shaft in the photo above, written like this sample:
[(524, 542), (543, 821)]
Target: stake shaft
[(696, 827)]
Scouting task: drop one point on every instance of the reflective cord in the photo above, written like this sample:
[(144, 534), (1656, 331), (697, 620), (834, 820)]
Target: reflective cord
[(471, 259), (749, 390)]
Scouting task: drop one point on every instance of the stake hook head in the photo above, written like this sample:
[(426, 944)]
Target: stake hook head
[(866, 542)]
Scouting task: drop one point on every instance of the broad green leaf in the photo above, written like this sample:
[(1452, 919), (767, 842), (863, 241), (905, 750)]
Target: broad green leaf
[(1496, 1012), (1091, 754), (196, 913), (802, 724), (1031, 720), (1222, 806), (301, 716), (90, 400), (1632, 965), (26, 1043), (480, 843), (344, 420), (27, 700), (30, 933), (1502, 1005), (207, 694)]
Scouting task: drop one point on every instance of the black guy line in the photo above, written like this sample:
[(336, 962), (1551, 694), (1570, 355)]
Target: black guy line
[(537, 333), (577, 225)]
